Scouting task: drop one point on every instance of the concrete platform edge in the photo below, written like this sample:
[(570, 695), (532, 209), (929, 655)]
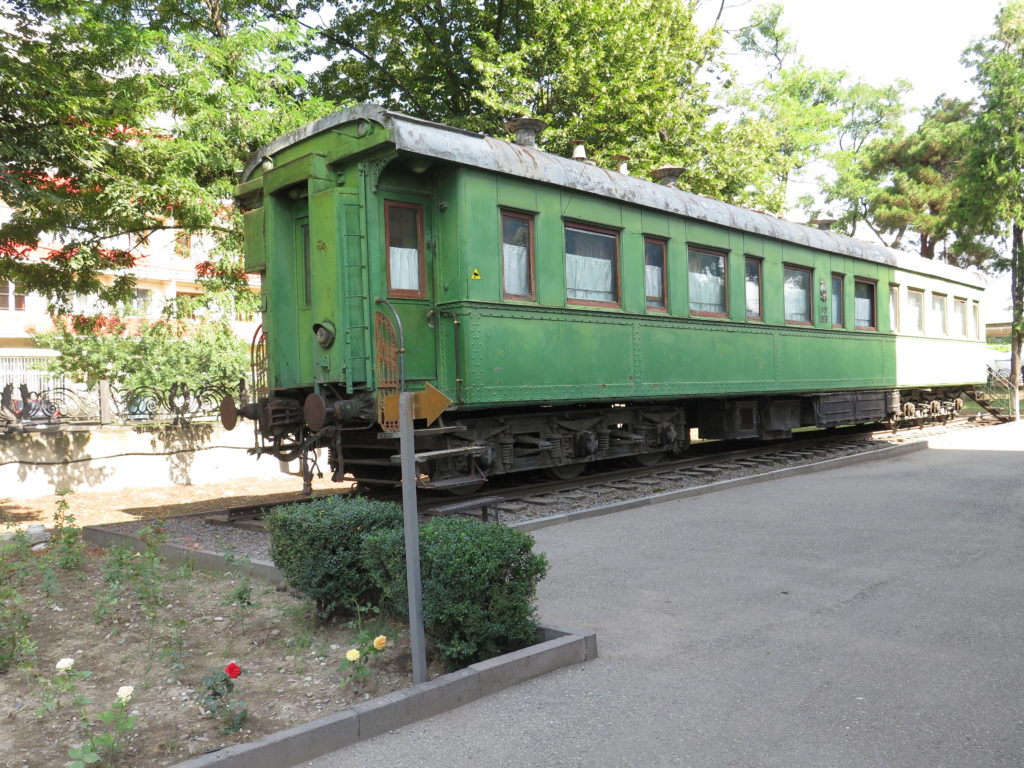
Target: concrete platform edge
[(557, 648), (621, 506)]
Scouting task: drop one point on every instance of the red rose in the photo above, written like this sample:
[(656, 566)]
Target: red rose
[(232, 670)]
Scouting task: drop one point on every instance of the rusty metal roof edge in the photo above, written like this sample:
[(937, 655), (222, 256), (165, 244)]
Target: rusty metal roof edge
[(423, 137)]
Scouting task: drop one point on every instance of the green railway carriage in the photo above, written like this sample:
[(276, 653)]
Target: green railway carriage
[(571, 313)]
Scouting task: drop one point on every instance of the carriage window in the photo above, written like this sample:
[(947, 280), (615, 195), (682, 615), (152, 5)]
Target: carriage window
[(517, 255), (797, 295), (753, 288), (654, 273), (915, 311), (837, 301), (707, 283), (976, 320), (864, 304), (937, 324), (591, 265), (960, 316), (404, 223), (894, 308)]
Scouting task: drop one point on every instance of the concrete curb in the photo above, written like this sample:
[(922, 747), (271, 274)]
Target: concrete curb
[(555, 648), (621, 506)]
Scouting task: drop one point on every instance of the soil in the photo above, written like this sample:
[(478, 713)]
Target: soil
[(98, 507), (290, 663)]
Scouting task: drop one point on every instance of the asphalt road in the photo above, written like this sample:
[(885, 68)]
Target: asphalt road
[(870, 615)]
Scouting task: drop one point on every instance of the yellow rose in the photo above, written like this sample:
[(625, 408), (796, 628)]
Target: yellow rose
[(352, 655), (380, 642)]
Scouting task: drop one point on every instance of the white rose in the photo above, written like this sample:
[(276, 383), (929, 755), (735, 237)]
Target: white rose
[(124, 693), (65, 664)]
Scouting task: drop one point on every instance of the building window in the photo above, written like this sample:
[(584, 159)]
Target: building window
[(894, 308), (752, 280), (406, 265), (797, 295), (837, 301), (517, 255), (12, 298), (707, 283), (937, 324), (142, 302), (654, 273), (591, 265), (915, 311), (864, 304), (960, 316)]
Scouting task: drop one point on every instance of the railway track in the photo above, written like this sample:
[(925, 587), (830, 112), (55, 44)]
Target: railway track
[(520, 502)]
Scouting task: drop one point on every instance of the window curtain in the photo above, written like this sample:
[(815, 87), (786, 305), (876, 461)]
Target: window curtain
[(753, 297), (864, 306), (517, 269), (653, 283), (404, 264), (707, 292), (938, 314), (589, 266), (588, 278), (797, 297), (915, 312)]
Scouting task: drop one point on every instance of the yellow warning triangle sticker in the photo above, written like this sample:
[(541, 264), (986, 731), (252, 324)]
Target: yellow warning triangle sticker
[(476, 274)]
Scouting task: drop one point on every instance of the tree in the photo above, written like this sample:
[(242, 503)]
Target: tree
[(907, 184), (810, 113), (119, 118), (198, 352), (992, 196), (415, 56)]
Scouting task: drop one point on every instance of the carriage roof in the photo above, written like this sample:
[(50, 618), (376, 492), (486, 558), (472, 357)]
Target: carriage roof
[(441, 142)]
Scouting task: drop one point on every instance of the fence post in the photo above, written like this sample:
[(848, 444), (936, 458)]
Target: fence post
[(106, 411)]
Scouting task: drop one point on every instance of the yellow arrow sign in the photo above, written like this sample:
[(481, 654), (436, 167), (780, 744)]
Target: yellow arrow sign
[(427, 404)]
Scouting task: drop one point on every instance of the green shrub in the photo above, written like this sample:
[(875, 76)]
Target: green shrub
[(317, 547), (479, 585)]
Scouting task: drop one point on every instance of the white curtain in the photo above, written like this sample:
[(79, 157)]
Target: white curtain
[(797, 301), (753, 298), (915, 312), (653, 283), (588, 278), (405, 269), (517, 269), (707, 292)]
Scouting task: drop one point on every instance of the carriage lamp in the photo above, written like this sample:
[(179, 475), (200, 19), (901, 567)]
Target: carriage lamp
[(324, 333)]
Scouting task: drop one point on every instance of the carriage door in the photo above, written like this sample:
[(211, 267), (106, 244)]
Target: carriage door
[(409, 251)]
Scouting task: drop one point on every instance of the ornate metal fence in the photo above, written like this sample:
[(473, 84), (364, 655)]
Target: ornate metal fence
[(22, 409)]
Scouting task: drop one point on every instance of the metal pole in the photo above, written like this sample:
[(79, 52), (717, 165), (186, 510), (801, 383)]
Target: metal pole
[(412, 538)]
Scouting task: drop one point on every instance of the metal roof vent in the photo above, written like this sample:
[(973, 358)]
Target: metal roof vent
[(526, 130), (666, 175), (579, 152), (621, 164)]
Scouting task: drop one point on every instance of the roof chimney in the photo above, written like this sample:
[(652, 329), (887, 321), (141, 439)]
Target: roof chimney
[(666, 175), (579, 152), (621, 164), (526, 130)]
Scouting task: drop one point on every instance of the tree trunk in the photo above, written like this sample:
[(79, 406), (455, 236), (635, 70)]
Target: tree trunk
[(1017, 295)]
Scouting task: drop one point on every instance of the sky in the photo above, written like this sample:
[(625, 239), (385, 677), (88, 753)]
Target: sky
[(881, 40)]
